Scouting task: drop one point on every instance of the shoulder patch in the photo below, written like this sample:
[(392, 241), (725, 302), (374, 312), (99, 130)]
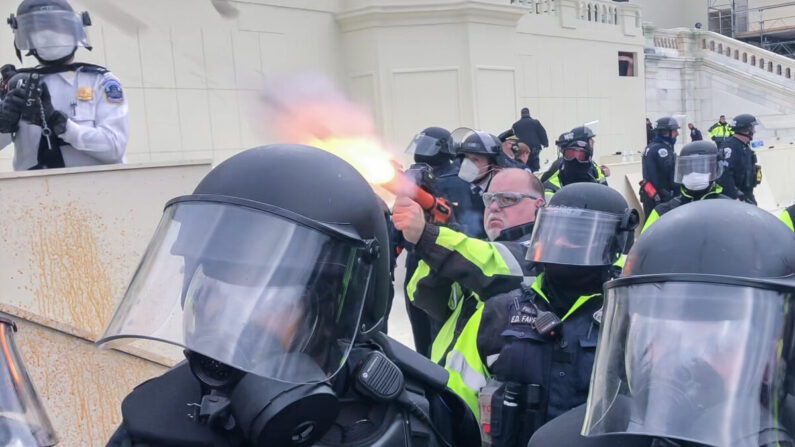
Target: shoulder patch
[(662, 152), (113, 92), (727, 152)]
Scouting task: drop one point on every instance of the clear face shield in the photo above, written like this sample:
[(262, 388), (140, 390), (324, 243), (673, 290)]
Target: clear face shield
[(464, 136), (697, 169), (23, 420), (424, 145), (247, 288), (574, 236), (54, 31), (691, 361)]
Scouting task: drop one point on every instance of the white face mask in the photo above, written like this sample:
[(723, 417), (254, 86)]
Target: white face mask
[(51, 45), (696, 181), (469, 171)]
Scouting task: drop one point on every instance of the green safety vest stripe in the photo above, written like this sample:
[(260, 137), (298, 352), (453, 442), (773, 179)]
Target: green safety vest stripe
[(446, 335), (536, 286), (787, 219), (422, 271), (467, 373), (485, 255), (653, 216)]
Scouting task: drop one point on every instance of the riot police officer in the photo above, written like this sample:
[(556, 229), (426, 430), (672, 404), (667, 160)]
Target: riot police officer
[(741, 173), (537, 342), (437, 148), (434, 146), (698, 167), (77, 112), (697, 339), (576, 165), (277, 297), (658, 165)]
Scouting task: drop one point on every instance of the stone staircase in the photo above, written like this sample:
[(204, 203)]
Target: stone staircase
[(703, 74)]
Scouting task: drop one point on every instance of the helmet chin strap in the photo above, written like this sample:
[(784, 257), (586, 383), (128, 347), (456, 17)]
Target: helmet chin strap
[(64, 60)]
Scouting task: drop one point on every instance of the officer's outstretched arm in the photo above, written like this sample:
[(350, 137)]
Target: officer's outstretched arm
[(104, 138), (487, 268)]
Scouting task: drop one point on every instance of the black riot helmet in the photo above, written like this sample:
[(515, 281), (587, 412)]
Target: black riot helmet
[(665, 125), (471, 141), (584, 224), (274, 266), (49, 29), (576, 144), (699, 162), (433, 146), (697, 337), (477, 142), (744, 124)]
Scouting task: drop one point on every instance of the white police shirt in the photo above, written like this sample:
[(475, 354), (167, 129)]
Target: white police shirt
[(97, 128)]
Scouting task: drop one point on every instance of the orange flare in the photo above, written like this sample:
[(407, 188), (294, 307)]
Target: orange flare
[(365, 154)]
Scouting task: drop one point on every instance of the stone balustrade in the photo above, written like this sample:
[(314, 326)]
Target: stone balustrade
[(747, 54), (688, 43), (600, 12)]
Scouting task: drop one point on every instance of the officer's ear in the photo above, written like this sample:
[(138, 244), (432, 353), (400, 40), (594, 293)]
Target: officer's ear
[(540, 203)]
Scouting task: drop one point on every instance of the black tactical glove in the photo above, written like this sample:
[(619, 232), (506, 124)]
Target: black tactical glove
[(11, 110), (56, 121)]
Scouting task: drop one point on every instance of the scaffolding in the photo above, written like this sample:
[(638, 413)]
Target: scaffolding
[(769, 27)]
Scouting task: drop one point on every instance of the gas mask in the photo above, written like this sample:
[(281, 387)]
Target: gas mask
[(469, 171), (696, 181), (51, 46), (266, 411)]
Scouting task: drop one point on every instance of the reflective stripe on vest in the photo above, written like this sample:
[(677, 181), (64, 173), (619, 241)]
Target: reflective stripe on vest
[(422, 271), (485, 255), (787, 219), (467, 373), (446, 334)]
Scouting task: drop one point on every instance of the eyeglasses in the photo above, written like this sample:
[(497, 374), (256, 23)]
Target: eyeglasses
[(505, 199)]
